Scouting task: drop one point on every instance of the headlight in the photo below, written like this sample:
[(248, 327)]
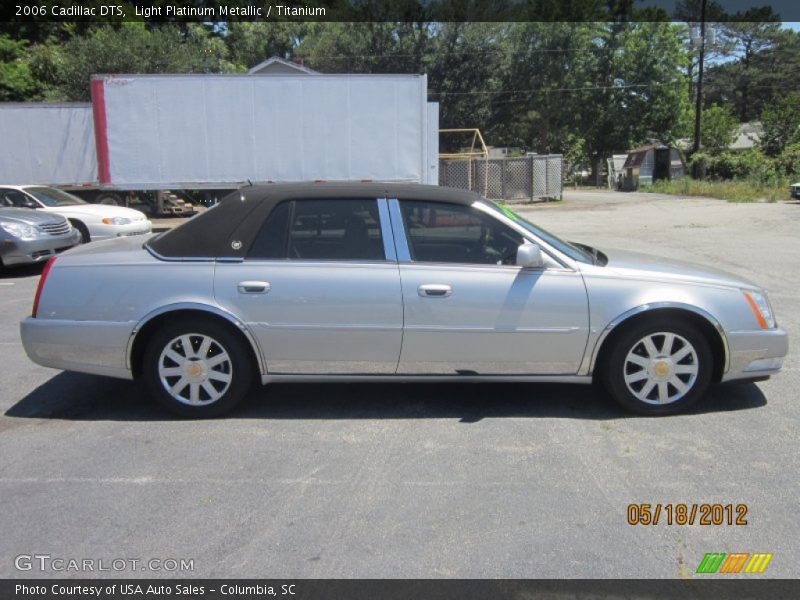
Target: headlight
[(116, 221), (20, 230), (761, 309)]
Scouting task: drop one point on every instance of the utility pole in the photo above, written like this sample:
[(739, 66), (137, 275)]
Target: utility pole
[(698, 107)]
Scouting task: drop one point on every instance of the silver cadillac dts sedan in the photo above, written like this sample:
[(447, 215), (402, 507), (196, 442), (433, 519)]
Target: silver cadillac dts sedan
[(367, 281)]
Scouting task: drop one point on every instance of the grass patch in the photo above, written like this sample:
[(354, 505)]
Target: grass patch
[(734, 190)]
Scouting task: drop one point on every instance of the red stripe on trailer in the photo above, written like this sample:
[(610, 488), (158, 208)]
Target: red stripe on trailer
[(100, 130)]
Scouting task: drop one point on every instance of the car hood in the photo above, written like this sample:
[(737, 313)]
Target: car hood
[(634, 264), (29, 216), (99, 210)]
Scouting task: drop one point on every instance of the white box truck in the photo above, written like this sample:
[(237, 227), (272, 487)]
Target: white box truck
[(199, 136)]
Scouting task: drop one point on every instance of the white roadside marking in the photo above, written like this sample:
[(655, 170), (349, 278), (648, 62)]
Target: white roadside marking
[(7, 283)]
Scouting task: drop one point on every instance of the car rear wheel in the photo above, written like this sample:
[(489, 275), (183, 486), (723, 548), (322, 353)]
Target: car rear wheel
[(197, 370), (659, 368)]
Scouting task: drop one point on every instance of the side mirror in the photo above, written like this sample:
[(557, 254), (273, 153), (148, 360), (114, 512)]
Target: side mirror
[(30, 204), (529, 256)]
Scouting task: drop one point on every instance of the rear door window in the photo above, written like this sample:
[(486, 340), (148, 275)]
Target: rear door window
[(324, 229)]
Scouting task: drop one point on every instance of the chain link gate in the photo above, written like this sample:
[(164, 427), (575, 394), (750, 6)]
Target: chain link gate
[(529, 178)]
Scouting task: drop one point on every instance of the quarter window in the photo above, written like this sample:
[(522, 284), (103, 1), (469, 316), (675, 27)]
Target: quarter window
[(271, 239), (326, 229), (452, 233)]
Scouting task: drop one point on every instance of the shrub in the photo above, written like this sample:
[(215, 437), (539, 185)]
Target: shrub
[(789, 160), (781, 122), (732, 191), (748, 164)]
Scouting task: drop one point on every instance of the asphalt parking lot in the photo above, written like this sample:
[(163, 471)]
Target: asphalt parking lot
[(413, 480)]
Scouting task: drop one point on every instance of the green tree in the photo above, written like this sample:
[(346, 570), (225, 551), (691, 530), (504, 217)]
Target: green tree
[(129, 48), (767, 59), (718, 129), (781, 122), (385, 47), (544, 66), (463, 69), (638, 89), (250, 43), (17, 83), (749, 40)]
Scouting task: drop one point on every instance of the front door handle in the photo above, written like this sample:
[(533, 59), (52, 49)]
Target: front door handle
[(253, 287), (434, 290)]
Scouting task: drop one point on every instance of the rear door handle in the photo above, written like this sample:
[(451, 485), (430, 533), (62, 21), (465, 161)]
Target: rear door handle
[(253, 287), (434, 290)]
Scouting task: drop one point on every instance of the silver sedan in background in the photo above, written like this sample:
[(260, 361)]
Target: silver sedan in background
[(368, 281), (29, 237)]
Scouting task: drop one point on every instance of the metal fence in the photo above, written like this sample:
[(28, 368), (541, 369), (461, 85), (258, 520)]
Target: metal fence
[(527, 178)]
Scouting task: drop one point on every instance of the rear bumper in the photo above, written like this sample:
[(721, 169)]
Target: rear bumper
[(755, 354), (96, 347)]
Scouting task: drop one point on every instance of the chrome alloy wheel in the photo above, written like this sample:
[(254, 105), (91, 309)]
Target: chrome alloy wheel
[(195, 369), (661, 368)]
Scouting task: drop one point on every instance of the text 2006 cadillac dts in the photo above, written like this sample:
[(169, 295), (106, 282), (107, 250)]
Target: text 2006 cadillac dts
[(367, 281)]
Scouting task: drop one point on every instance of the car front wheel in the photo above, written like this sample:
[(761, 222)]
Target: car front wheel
[(659, 368), (197, 370)]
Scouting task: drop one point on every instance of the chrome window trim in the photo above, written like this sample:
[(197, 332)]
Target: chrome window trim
[(487, 266), (389, 246), (305, 262), (400, 241), (163, 258)]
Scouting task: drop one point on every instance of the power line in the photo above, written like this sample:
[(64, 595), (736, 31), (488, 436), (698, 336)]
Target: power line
[(565, 89), (545, 90), (472, 52)]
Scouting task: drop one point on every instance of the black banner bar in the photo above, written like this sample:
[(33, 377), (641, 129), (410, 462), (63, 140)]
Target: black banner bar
[(178, 11), (733, 588)]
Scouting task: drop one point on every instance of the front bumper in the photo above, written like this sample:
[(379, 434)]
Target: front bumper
[(755, 354), (96, 347), (28, 252), (108, 232)]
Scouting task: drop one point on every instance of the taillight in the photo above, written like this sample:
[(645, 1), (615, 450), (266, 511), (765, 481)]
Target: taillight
[(40, 287)]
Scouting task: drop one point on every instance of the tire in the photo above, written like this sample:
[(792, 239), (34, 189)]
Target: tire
[(202, 387), (83, 230), (658, 367)]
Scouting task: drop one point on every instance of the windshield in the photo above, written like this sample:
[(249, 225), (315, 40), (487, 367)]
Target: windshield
[(53, 197), (570, 250)]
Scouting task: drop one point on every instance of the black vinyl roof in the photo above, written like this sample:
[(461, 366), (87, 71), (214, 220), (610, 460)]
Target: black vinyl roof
[(211, 234)]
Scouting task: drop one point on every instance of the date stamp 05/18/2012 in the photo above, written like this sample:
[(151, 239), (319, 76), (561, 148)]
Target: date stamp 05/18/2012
[(681, 513)]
